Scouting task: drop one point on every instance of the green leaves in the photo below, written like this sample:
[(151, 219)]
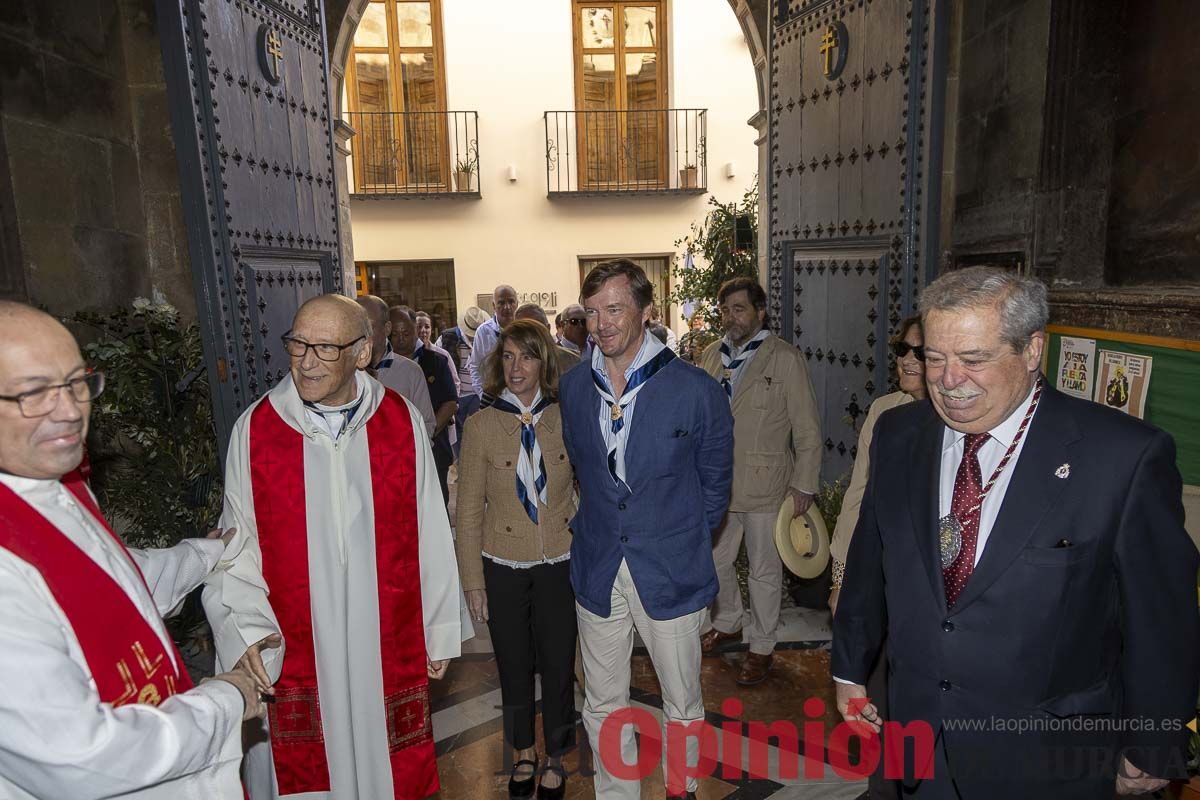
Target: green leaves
[(152, 447), (715, 257)]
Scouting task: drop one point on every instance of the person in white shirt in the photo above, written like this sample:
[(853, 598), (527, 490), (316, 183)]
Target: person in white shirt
[(504, 299), (398, 374), (332, 486), (94, 699)]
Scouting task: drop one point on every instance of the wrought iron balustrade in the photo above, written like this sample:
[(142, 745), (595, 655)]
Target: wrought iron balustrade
[(648, 151), (414, 153)]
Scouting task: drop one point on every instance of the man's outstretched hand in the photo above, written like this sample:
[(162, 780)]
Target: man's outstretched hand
[(251, 661)]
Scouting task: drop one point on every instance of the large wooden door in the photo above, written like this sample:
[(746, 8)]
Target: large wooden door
[(248, 82), (855, 137)]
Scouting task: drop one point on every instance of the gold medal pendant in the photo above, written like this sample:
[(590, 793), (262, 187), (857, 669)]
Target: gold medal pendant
[(728, 375), (616, 412), (950, 539), (526, 418)]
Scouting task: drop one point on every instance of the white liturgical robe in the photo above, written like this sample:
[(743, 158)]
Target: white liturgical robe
[(57, 740), (343, 588)]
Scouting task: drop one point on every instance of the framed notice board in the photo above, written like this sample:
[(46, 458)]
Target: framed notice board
[(1172, 393)]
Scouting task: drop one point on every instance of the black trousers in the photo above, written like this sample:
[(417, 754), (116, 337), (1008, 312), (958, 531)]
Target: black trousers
[(531, 617), (443, 457)]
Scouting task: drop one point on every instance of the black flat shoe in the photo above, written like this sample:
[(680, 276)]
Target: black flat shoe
[(543, 793), (526, 787)]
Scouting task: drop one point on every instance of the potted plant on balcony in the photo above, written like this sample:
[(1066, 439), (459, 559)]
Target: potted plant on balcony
[(689, 176), (463, 170)]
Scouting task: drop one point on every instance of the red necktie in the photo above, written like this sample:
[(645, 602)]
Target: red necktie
[(968, 486)]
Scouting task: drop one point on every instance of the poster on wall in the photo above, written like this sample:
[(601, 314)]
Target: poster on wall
[(1076, 367), (1122, 381)]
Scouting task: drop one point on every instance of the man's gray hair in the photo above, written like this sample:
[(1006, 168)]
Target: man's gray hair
[(1021, 301)]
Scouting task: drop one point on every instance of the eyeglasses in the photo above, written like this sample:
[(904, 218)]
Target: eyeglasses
[(40, 402), (901, 349), (326, 351), (575, 321)]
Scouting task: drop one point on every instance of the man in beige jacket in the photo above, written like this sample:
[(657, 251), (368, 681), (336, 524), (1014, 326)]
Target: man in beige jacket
[(776, 454)]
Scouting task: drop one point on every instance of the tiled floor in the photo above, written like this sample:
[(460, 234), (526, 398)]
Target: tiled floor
[(471, 754)]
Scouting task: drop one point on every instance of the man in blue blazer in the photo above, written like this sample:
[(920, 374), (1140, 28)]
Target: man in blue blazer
[(1025, 555), (651, 441)]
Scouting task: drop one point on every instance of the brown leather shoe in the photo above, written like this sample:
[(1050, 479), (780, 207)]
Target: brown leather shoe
[(714, 641), (754, 668)]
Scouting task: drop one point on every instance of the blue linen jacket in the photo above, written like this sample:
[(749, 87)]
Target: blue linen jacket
[(679, 467)]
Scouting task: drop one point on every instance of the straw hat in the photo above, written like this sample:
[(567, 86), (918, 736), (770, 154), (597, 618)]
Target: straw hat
[(470, 320), (803, 541)]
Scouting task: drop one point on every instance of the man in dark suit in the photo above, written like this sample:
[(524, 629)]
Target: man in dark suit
[(1024, 553), (651, 441)]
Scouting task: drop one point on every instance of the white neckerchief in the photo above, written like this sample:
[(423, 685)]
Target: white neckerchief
[(530, 466), (334, 419), (651, 347), (734, 359)]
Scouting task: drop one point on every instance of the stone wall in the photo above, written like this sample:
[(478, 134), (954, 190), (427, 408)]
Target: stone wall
[(89, 186), (1154, 221)]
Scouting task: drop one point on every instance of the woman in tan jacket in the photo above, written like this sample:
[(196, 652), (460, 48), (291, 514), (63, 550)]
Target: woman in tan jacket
[(514, 504)]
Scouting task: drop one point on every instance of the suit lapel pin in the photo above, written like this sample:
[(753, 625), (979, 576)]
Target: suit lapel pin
[(1063, 472)]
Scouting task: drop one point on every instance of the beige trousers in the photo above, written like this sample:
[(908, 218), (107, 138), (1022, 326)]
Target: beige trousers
[(765, 584), (606, 644)]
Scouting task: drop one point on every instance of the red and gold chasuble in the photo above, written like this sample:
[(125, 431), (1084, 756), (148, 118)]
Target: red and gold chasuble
[(278, 485), (125, 656)]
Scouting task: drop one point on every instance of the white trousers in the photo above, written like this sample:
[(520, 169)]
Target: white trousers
[(765, 579), (607, 646)]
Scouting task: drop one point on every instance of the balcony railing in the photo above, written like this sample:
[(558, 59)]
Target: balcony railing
[(414, 153), (655, 151)]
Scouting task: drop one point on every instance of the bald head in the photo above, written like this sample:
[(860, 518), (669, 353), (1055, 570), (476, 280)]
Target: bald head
[(39, 353), (381, 328), (504, 299), (331, 319)]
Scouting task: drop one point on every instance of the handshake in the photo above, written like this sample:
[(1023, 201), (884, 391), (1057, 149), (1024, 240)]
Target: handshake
[(250, 678)]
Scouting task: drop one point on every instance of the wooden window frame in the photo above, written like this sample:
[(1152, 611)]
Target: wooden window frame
[(618, 51), (396, 89)]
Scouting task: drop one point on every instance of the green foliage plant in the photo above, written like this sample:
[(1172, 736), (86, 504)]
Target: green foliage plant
[(715, 257), (152, 445)]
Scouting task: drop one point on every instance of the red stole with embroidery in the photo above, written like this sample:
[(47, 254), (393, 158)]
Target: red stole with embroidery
[(278, 484), (127, 659)]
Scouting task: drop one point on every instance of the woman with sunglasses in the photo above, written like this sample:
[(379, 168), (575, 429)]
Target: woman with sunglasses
[(515, 500), (908, 348)]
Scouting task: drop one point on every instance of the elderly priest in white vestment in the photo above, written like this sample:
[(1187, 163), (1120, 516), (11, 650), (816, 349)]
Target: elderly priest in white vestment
[(94, 699), (332, 486)]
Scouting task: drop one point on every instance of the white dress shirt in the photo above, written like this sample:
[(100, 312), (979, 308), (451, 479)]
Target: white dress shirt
[(486, 336), (404, 376), (993, 450)]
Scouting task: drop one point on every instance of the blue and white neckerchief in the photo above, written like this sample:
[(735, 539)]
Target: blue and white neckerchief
[(416, 350), (615, 414), (335, 418), (389, 355), (733, 365), (531, 468)]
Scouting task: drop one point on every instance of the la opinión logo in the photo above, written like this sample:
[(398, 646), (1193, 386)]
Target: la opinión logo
[(726, 740)]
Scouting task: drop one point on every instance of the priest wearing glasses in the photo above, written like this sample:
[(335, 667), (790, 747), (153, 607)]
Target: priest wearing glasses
[(1024, 554), (94, 698), (651, 441), (332, 486)]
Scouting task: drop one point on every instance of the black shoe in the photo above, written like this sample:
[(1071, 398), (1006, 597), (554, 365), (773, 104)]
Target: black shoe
[(525, 788), (557, 792)]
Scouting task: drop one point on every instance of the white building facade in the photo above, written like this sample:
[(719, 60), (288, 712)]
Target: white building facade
[(520, 142)]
